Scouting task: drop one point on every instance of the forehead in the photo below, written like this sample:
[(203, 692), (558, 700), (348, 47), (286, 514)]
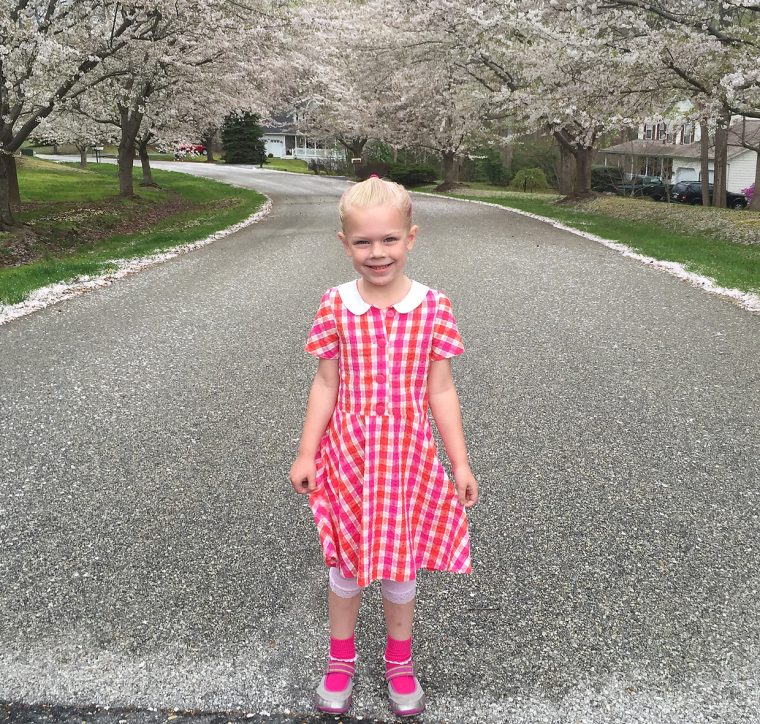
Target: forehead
[(375, 220)]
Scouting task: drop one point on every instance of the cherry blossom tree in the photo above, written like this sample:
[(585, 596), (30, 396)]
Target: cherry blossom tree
[(51, 52), (66, 126), (577, 80), (711, 49), (399, 72)]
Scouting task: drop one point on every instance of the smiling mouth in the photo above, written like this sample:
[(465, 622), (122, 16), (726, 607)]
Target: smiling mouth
[(379, 267)]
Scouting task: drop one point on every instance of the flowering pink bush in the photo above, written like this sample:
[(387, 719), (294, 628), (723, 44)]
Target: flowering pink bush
[(748, 192)]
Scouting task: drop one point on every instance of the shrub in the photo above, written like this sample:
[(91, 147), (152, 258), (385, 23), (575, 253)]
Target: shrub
[(364, 171), (331, 166), (606, 178), (529, 179), (543, 153), (412, 175), (749, 192), (241, 139)]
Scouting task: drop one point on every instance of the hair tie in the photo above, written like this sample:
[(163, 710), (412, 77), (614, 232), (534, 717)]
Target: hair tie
[(373, 175)]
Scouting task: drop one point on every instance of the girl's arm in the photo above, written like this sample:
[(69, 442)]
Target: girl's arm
[(444, 404), (319, 410)]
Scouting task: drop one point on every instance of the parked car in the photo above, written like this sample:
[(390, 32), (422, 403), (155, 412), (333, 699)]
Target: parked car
[(649, 186), (611, 179), (188, 149), (192, 148), (690, 192)]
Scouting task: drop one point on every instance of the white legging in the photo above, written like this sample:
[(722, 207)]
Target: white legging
[(393, 591)]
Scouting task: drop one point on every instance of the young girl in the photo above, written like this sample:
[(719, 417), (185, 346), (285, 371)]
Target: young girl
[(382, 502)]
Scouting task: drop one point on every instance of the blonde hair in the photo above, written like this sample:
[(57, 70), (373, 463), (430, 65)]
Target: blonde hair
[(375, 192)]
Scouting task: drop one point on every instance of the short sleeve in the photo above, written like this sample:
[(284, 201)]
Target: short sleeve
[(323, 341), (446, 339)]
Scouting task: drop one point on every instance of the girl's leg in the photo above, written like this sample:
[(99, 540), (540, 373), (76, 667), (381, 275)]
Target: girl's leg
[(399, 618), (398, 606), (343, 614), (343, 601)]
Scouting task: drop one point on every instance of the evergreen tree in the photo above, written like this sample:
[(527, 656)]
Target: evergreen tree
[(242, 139)]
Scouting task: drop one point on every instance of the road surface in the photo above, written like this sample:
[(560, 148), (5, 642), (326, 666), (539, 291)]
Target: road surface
[(154, 555)]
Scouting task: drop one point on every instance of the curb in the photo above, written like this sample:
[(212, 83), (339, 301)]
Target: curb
[(746, 300), (58, 292)]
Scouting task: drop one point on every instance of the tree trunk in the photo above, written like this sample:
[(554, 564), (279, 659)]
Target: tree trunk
[(394, 154), (357, 147), (450, 170), (82, 156), (126, 162), (130, 127), (14, 193), (581, 185), (506, 153), (583, 171), (207, 139), (755, 203), (566, 171), (7, 169), (142, 148), (721, 161), (704, 158)]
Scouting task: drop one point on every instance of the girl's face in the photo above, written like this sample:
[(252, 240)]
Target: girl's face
[(378, 241)]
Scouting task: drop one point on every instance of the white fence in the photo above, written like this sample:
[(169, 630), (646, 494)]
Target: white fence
[(321, 154)]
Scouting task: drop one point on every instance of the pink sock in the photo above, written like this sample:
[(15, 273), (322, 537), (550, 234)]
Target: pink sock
[(345, 650), (399, 652)]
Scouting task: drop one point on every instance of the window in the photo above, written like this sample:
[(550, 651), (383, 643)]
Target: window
[(662, 131), (687, 133), (648, 132)]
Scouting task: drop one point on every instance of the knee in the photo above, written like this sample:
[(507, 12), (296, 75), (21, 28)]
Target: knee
[(343, 587), (398, 591)]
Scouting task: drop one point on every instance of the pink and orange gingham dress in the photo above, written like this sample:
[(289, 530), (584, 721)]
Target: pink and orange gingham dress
[(384, 506)]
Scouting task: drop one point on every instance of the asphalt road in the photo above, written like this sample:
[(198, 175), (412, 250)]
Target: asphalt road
[(154, 555)]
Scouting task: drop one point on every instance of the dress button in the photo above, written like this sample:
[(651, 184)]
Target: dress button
[(381, 341), (380, 378), (380, 409), (391, 312)]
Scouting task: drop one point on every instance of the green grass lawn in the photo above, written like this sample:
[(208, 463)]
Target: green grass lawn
[(75, 223), (729, 263)]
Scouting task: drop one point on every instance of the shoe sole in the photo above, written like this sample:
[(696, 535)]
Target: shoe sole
[(328, 709)]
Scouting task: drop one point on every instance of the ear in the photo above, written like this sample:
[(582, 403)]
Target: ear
[(343, 241), (411, 237)]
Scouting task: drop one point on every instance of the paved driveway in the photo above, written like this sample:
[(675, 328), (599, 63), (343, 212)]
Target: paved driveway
[(153, 554)]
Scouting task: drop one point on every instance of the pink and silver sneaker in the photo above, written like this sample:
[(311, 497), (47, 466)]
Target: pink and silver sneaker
[(405, 704), (335, 702)]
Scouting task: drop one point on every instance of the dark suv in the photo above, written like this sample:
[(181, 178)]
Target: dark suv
[(690, 192), (608, 179), (651, 186)]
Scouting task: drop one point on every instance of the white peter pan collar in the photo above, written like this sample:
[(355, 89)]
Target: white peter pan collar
[(349, 294)]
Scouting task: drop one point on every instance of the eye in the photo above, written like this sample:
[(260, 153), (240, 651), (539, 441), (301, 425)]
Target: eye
[(391, 239), (361, 242)]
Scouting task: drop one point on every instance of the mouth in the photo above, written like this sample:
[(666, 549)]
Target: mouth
[(379, 268)]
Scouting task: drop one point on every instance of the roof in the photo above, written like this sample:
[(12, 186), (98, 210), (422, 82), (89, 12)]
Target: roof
[(747, 129)]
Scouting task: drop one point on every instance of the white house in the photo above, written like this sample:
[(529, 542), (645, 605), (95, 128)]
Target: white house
[(673, 152), (283, 139)]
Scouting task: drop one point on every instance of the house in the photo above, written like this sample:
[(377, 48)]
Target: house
[(284, 139), (672, 151)]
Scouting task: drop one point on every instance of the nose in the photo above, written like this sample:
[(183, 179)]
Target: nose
[(377, 250)]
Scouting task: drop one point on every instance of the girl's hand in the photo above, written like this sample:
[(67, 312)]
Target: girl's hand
[(466, 486), (303, 475)]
